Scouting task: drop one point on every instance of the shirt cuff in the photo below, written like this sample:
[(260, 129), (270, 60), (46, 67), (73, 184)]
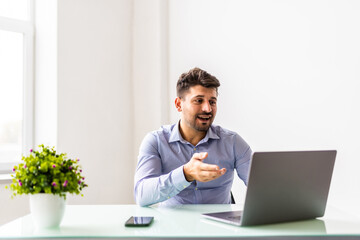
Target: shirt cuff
[(179, 180)]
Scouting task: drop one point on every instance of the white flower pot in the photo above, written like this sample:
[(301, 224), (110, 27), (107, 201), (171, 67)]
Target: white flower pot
[(47, 210)]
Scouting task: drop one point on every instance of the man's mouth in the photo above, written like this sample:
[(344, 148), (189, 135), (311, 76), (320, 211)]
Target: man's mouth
[(204, 117)]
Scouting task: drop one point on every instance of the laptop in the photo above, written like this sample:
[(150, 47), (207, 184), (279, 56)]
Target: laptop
[(283, 187)]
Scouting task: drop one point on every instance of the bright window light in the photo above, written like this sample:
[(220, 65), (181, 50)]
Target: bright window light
[(11, 95), (17, 9), (16, 81)]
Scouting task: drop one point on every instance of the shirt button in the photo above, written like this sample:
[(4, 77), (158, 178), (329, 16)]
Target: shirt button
[(196, 189), (194, 149)]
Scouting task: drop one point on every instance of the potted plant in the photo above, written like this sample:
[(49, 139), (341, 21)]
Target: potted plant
[(47, 176)]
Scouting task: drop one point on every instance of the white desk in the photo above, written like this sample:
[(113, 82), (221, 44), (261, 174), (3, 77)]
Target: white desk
[(107, 221)]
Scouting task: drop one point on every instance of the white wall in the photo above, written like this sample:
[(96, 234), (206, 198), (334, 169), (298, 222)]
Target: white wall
[(11, 208), (150, 68), (95, 111), (289, 72)]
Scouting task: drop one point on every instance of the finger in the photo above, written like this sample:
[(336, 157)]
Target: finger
[(208, 176), (200, 156), (209, 167)]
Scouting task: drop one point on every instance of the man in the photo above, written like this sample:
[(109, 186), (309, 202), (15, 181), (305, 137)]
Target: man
[(192, 161)]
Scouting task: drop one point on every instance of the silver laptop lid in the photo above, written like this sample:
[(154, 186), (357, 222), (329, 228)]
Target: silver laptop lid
[(287, 186)]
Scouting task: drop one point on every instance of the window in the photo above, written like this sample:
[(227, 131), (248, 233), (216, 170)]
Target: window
[(16, 81)]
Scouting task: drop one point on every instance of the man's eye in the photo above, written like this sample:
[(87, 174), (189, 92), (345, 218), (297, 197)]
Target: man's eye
[(212, 103), (198, 100)]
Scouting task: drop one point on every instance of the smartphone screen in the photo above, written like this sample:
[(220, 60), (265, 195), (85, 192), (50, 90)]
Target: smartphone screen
[(139, 221)]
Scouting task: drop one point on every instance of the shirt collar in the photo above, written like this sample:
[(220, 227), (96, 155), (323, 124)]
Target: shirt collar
[(176, 136)]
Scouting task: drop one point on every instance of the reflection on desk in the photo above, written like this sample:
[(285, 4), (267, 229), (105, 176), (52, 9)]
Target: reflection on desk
[(185, 221)]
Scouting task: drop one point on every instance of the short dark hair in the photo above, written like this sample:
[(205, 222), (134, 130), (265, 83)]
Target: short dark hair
[(195, 76)]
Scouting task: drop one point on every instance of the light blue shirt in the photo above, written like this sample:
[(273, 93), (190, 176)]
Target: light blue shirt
[(159, 176)]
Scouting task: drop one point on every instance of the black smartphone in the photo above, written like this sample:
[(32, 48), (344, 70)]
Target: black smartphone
[(139, 221)]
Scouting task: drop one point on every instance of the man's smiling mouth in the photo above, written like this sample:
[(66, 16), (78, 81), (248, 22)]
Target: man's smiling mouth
[(204, 117)]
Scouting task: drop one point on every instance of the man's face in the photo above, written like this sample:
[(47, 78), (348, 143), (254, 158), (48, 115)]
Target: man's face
[(198, 107)]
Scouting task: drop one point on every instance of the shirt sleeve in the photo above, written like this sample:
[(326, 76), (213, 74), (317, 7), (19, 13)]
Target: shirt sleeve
[(243, 154), (150, 185)]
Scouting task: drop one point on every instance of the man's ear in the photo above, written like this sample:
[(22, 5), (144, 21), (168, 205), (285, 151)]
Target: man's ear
[(178, 104)]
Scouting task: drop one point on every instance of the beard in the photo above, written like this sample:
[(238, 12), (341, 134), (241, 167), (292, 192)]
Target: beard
[(200, 124), (203, 128)]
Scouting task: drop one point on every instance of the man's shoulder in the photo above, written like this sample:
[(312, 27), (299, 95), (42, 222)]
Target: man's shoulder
[(223, 132), (163, 131), (159, 136), (227, 135)]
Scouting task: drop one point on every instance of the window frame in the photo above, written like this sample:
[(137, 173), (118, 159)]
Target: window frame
[(25, 27)]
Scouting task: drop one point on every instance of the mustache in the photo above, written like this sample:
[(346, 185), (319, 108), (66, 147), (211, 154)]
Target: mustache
[(205, 113)]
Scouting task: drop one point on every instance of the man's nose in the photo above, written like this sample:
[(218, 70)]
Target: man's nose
[(206, 107)]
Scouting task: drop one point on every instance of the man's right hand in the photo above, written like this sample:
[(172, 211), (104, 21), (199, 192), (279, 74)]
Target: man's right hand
[(195, 169)]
